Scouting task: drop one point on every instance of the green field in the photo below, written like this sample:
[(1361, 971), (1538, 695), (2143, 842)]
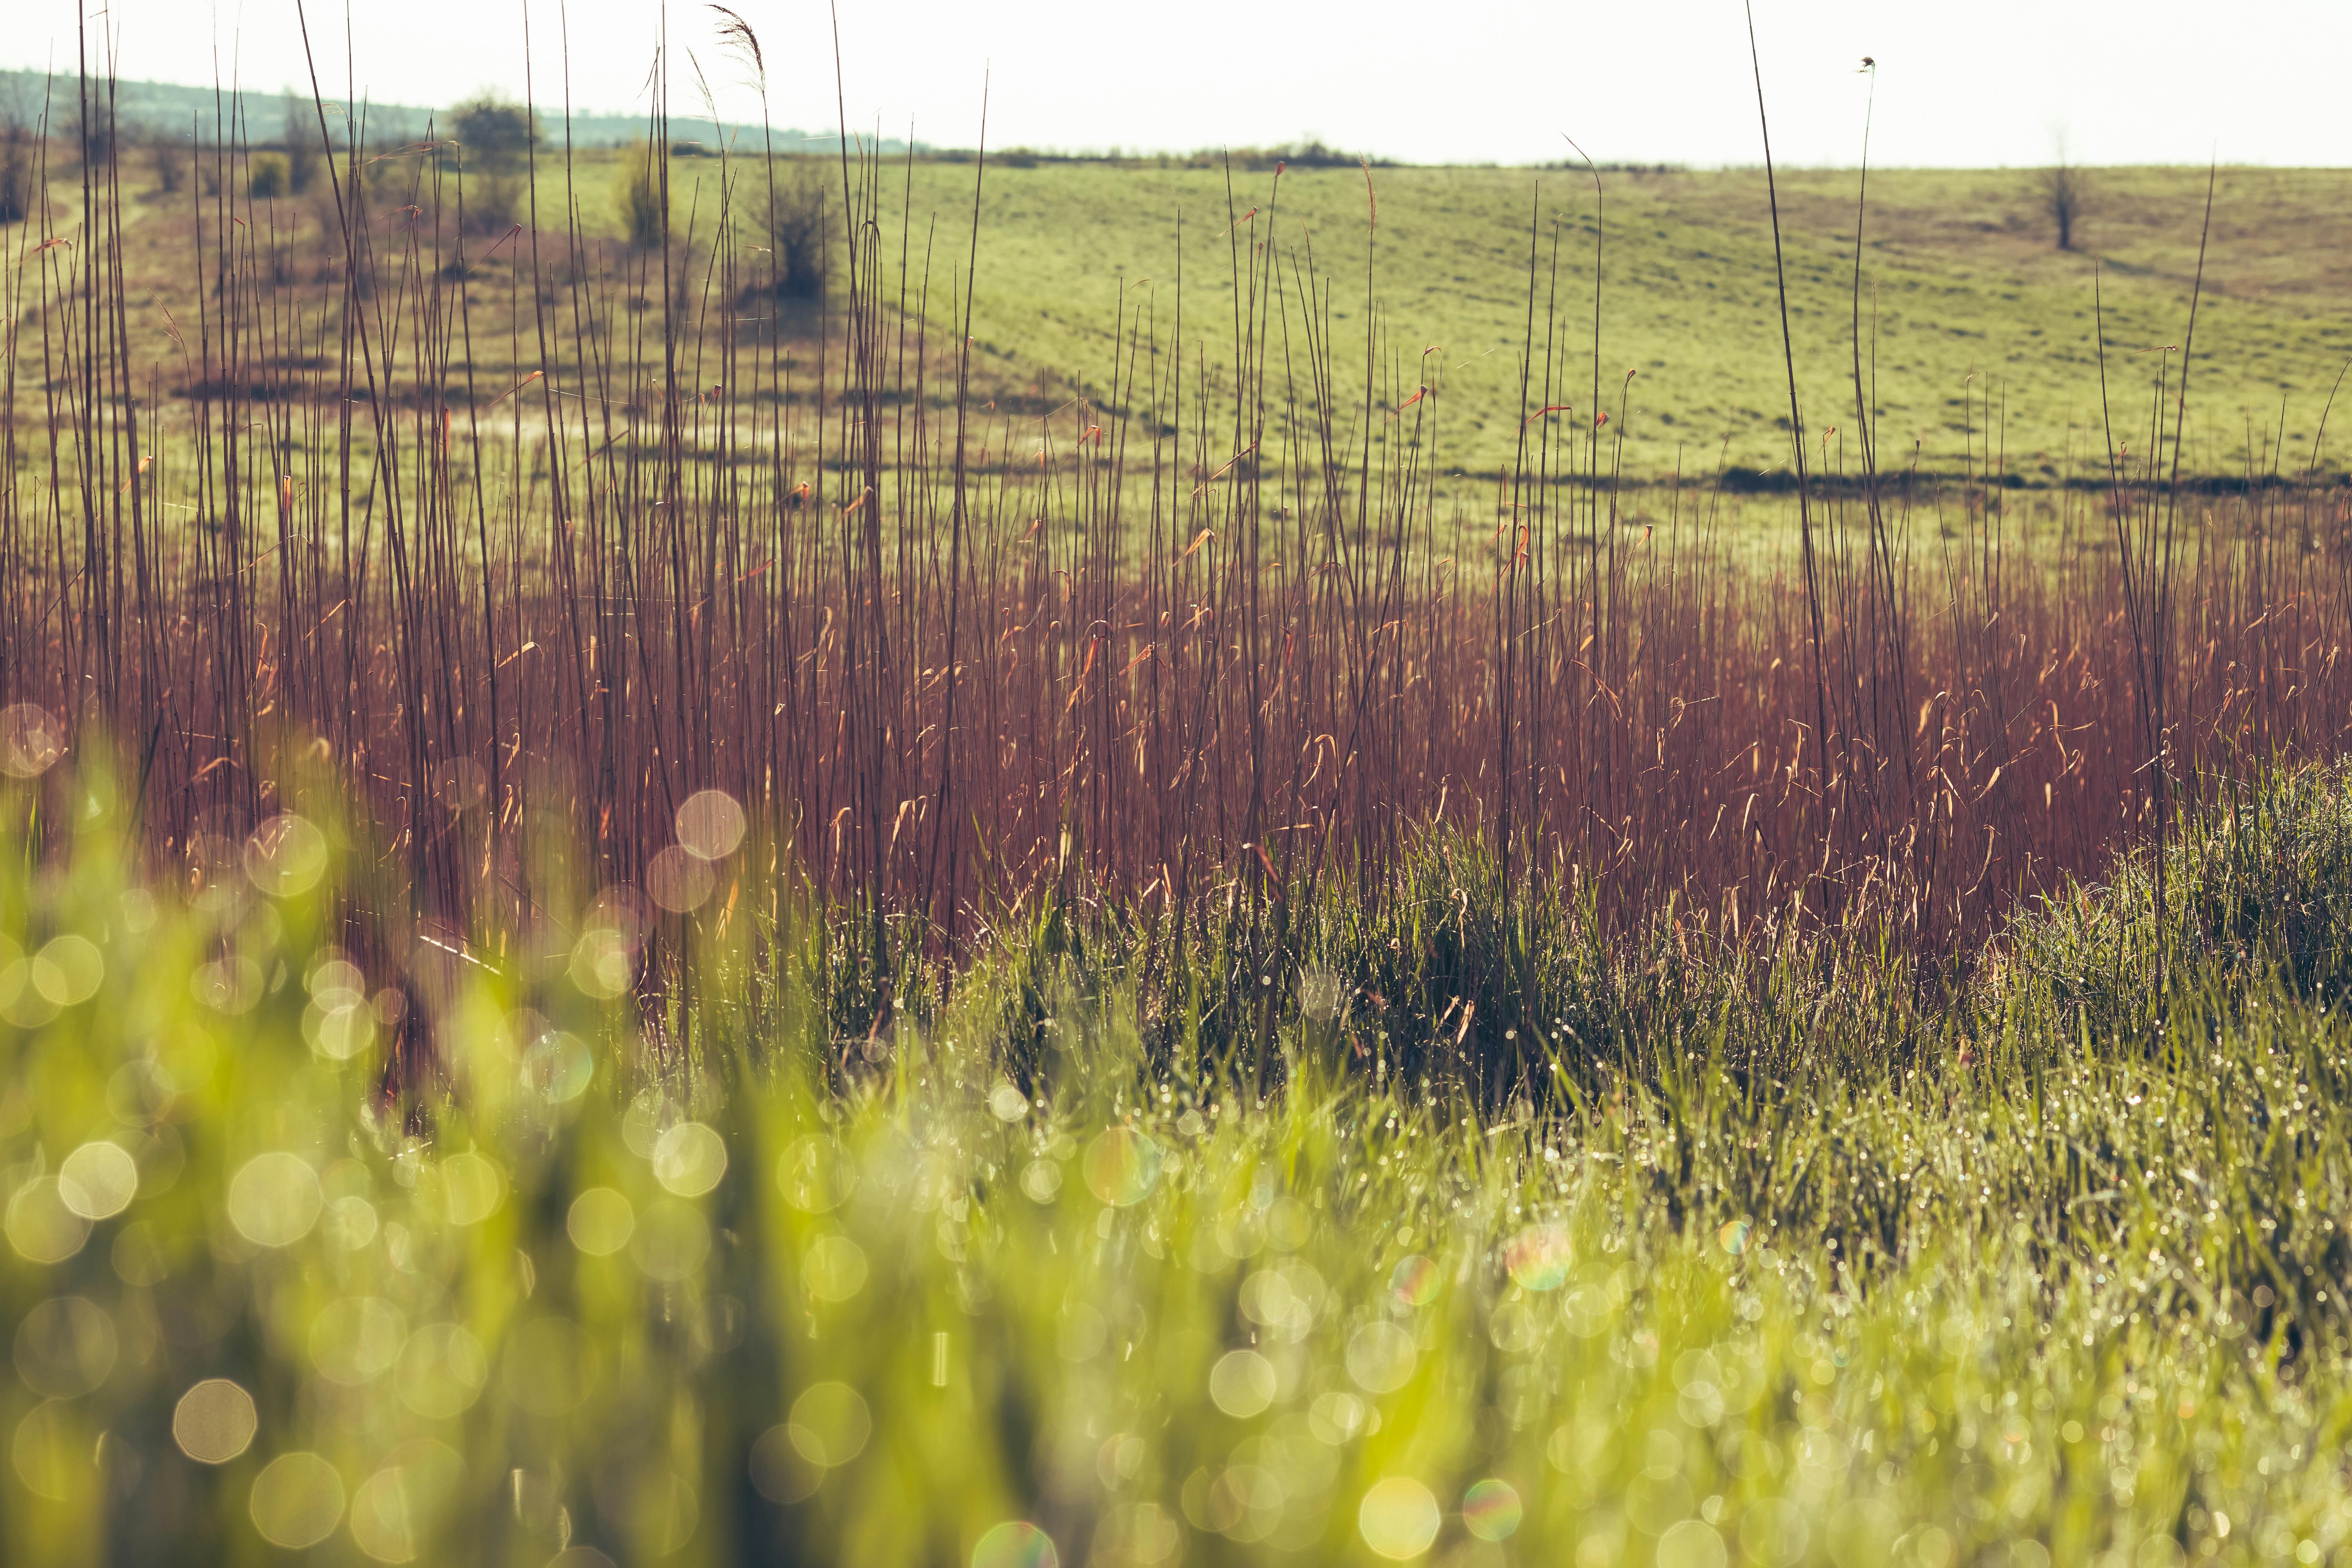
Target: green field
[(1971, 298), (1981, 330)]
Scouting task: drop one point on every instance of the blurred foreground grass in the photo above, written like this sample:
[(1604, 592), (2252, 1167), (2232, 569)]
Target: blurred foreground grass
[(1798, 1272)]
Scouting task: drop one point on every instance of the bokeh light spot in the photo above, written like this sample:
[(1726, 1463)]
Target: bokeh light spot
[(816, 1175), (672, 1241), (67, 970), (472, 1188), (355, 1340), (1491, 1510), (286, 855), (1381, 1357), (829, 1425), (1122, 1166), (709, 825), (1016, 1543), (1538, 1257), (213, 1422), (297, 1500), (679, 880), (689, 1159), (52, 1454), (31, 741), (98, 1180), (1414, 1280), (442, 1370), (65, 1347), (274, 1199), (1399, 1517), (41, 1227), (835, 1269), (1241, 1383), (600, 1222)]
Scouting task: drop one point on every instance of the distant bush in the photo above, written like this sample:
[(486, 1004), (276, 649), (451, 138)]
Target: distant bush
[(494, 141), (302, 145), (796, 226), (268, 179), (1312, 153), (171, 160), (645, 214), (15, 169)]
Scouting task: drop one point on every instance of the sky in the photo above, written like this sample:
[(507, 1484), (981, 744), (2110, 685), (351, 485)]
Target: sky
[(1958, 83)]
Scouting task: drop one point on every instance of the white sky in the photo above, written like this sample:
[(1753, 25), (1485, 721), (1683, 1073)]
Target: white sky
[(1960, 82)]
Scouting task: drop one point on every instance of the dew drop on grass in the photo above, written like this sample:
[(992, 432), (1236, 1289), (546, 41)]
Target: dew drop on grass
[(778, 1472), (385, 1516), (213, 1421), (53, 1455), (65, 1347), (1016, 1543), (1398, 1518), (67, 970), (558, 1066), (1693, 1544), (604, 963), (679, 880), (600, 1222), (274, 1199), (350, 1223), (286, 855), (835, 1269), (672, 1241), (40, 1226), (1335, 1418), (472, 1188), (816, 1174), (1414, 1280), (1538, 1257), (1381, 1357), (355, 1340), (1491, 1510), (442, 1370), (1041, 1179), (829, 1425), (297, 1500), (689, 1159), (1241, 1383), (709, 825), (31, 741), (1121, 1166)]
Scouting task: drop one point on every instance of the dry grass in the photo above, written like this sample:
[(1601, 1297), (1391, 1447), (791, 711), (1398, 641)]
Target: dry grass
[(1189, 646)]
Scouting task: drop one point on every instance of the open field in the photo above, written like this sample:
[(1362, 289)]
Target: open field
[(649, 917), (1978, 333)]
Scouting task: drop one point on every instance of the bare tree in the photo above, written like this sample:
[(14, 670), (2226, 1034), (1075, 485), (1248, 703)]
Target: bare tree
[(2064, 196)]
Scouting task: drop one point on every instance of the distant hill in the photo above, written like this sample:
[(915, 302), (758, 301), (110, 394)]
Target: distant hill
[(207, 114)]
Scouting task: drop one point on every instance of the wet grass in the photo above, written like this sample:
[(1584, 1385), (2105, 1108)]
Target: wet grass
[(1799, 1270)]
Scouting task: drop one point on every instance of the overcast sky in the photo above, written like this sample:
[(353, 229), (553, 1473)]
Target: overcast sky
[(1959, 82)]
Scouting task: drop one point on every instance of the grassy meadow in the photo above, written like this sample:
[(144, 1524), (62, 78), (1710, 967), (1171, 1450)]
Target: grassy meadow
[(672, 894), (1978, 331)]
